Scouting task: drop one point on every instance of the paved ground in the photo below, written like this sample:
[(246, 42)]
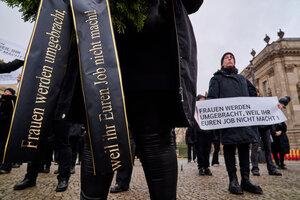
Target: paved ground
[(191, 186)]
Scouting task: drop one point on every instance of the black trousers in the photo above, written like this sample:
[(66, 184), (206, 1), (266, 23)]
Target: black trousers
[(123, 176), (149, 118), (203, 146), (276, 149), (243, 154), (63, 149), (266, 140), (192, 152), (215, 159)]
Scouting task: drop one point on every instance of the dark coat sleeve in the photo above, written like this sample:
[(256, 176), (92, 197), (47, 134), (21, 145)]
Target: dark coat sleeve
[(192, 6), (251, 89), (214, 89), (11, 66)]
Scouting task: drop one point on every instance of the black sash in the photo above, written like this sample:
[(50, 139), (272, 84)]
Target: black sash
[(102, 86), (42, 77), (43, 74)]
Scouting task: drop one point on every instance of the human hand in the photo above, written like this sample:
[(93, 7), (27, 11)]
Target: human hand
[(19, 78), (278, 133), (280, 106)]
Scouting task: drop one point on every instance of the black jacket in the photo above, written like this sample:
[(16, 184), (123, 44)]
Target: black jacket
[(7, 104), (281, 142), (163, 57), (228, 83), (10, 66)]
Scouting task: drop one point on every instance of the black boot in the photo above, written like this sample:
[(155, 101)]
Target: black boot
[(84, 197), (234, 186), (248, 186), (24, 184), (62, 185)]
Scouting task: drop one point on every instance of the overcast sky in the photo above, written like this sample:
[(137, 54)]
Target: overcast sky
[(219, 25)]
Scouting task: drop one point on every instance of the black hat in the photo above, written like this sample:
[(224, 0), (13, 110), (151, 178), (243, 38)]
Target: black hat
[(11, 90), (284, 100), (225, 55), (199, 96)]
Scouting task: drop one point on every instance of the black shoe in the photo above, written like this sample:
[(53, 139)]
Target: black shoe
[(47, 170), (62, 185), (116, 188), (282, 167), (275, 173), (24, 184), (15, 165), (234, 186), (255, 173), (72, 171), (248, 186), (207, 172), (201, 172)]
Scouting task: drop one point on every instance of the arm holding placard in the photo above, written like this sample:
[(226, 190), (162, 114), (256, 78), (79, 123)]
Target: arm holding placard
[(11, 66)]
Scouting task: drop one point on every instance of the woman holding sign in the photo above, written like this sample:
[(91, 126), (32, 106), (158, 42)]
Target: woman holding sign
[(225, 83)]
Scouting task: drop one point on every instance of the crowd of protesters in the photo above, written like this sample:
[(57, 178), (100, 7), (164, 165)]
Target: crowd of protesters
[(64, 146), (154, 87)]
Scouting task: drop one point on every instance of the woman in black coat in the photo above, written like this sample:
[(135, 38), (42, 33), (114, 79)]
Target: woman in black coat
[(280, 144), (225, 83)]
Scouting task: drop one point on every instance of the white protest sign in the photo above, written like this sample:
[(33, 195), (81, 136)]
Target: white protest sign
[(238, 112), (8, 52)]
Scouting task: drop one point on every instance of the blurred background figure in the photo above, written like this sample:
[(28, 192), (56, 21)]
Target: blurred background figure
[(281, 145), (7, 104)]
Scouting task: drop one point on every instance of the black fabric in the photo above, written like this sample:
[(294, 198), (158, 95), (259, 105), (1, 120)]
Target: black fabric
[(216, 142), (243, 154), (148, 115), (203, 145), (191, 152), (93, 186), (7, 103), (266, 140), (123, 176), (227, 83), (281, 143), (62, 148), (11, 66), (163, 57)]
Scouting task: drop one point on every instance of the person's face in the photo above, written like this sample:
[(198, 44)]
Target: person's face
[(228, 61), (202, 99), (7, 92)]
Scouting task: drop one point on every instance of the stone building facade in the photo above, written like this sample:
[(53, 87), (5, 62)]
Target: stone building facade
[(277, 73)]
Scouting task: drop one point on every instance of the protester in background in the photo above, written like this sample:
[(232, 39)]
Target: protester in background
[(280, 145), (63, 148), (7, 104), (264, 132), (191, 139), (11, 66), (216, 143), (203, 146), (225, 83)]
